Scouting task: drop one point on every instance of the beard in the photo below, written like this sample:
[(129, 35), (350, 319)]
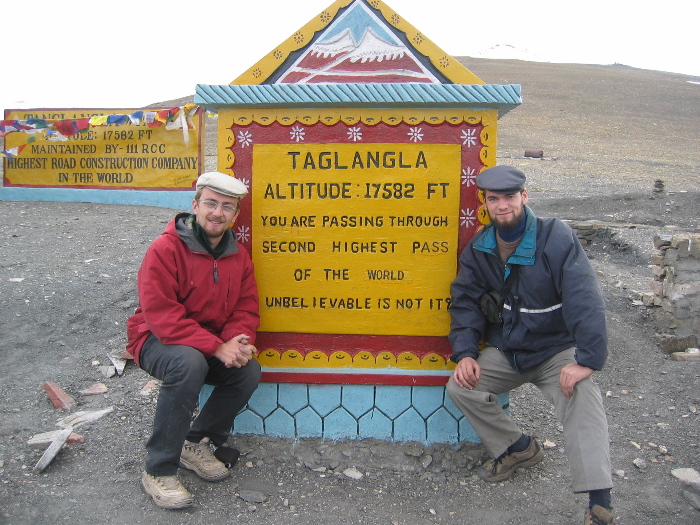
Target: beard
[(508, 225)]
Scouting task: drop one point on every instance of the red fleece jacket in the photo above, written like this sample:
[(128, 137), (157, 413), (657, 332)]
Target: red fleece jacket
[(187, 297)]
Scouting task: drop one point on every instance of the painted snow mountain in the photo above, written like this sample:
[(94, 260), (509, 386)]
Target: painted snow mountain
[(373, 60)]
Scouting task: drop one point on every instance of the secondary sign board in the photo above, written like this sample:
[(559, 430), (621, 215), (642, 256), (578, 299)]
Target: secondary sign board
[(125, 155)]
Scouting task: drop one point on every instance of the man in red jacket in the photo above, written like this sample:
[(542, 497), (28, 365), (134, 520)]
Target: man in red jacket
[(195, 324)]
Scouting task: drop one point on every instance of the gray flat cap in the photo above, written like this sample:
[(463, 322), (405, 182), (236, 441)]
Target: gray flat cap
[(222, 183), (501, 179)]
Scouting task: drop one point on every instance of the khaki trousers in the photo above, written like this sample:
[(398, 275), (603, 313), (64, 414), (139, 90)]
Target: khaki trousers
[(583, 417)]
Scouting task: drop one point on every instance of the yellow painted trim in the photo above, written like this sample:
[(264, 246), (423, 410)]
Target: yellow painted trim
[(271, 358), (369, 116), (446, 64), (267, 65)]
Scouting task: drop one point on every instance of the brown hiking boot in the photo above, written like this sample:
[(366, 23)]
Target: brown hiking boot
[(199, 458), (598, 516), (502, 467), (167, 491)]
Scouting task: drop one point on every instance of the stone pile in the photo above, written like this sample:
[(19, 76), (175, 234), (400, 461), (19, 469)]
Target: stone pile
[(676, 291), (585, 231)]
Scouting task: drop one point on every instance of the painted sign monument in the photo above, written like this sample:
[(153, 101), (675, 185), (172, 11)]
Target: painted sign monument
[(360, 141)]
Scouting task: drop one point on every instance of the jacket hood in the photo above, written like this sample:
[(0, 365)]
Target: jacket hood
[(181, 226)]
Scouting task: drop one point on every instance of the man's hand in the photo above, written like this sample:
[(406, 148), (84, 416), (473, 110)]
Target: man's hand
[(466, 373), (572, 374), (236, 352)]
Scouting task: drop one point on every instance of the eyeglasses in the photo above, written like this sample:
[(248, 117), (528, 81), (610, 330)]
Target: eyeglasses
[(212, 205)]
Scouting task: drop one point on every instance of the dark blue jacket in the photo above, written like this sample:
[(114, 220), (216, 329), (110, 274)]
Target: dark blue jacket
[(555, 301)]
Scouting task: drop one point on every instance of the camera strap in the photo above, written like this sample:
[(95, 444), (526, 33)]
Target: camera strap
[(509, 283)]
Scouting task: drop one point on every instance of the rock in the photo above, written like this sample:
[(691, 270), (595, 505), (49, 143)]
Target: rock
[(53, 450), (45, 438), (690, 354), (252, 496), (640, 463), (353, 473), (413, 449), (119, 364), (688, 476), (58, 397), (84, 416), (107, 371), (426, 460), (149, 387), (547, 445), (97, 388), (692, 498)]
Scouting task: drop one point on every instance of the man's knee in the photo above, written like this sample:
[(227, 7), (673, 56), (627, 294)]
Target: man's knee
[(252, 373), (452, 389), (188, 364)]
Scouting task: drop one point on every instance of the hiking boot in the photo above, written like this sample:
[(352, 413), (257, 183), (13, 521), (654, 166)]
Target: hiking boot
[(199, 458), (502, 467), (167, 491), (598, 516)]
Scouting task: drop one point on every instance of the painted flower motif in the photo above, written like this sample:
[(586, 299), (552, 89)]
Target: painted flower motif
[(355, 133), (468, 177), (415, 134), (243, 234), (467, 217), (245, 138), (297, 133), (469, 137)]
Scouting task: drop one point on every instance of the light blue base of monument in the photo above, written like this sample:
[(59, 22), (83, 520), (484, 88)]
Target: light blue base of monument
[(391, 413), (179, 200)]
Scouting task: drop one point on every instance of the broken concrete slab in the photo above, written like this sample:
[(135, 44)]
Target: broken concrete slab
[(84, 416), (54, 448), (45, 438), (107, 371), (119, 364), (58, 397)]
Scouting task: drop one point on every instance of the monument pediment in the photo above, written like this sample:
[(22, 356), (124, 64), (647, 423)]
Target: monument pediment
[(357, 41)]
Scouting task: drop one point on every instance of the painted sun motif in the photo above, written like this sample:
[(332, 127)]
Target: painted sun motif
[(355, 133), (468, 137), (415, 134), (269, 357), (363, 359), (468, 177), (467, 218), (297, 133), (245, 138), (243, 233)]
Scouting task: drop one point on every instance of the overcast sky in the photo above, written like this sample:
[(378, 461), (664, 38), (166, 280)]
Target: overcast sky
[(131, 53)]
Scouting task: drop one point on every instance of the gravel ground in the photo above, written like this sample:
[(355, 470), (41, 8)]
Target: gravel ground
[(67, 286)]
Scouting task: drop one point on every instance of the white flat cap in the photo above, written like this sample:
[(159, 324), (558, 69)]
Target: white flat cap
[(222, 183)]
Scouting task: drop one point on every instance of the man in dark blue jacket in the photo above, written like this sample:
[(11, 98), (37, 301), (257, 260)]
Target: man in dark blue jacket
[(526, 287)]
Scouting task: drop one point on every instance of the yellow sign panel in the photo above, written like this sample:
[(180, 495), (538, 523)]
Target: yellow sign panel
[(355, 239), (111, 156)]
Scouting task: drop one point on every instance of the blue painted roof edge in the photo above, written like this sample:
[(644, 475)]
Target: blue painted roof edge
[(503, 97)]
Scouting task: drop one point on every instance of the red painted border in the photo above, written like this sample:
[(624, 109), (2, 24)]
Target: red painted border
[(353, 379), (246, 136)]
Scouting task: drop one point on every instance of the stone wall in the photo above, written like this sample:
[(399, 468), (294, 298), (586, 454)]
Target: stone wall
[(676, 290)]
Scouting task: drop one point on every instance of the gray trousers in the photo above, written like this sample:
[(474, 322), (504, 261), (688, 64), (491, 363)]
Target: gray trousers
[(583, 417), (184, 370)]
